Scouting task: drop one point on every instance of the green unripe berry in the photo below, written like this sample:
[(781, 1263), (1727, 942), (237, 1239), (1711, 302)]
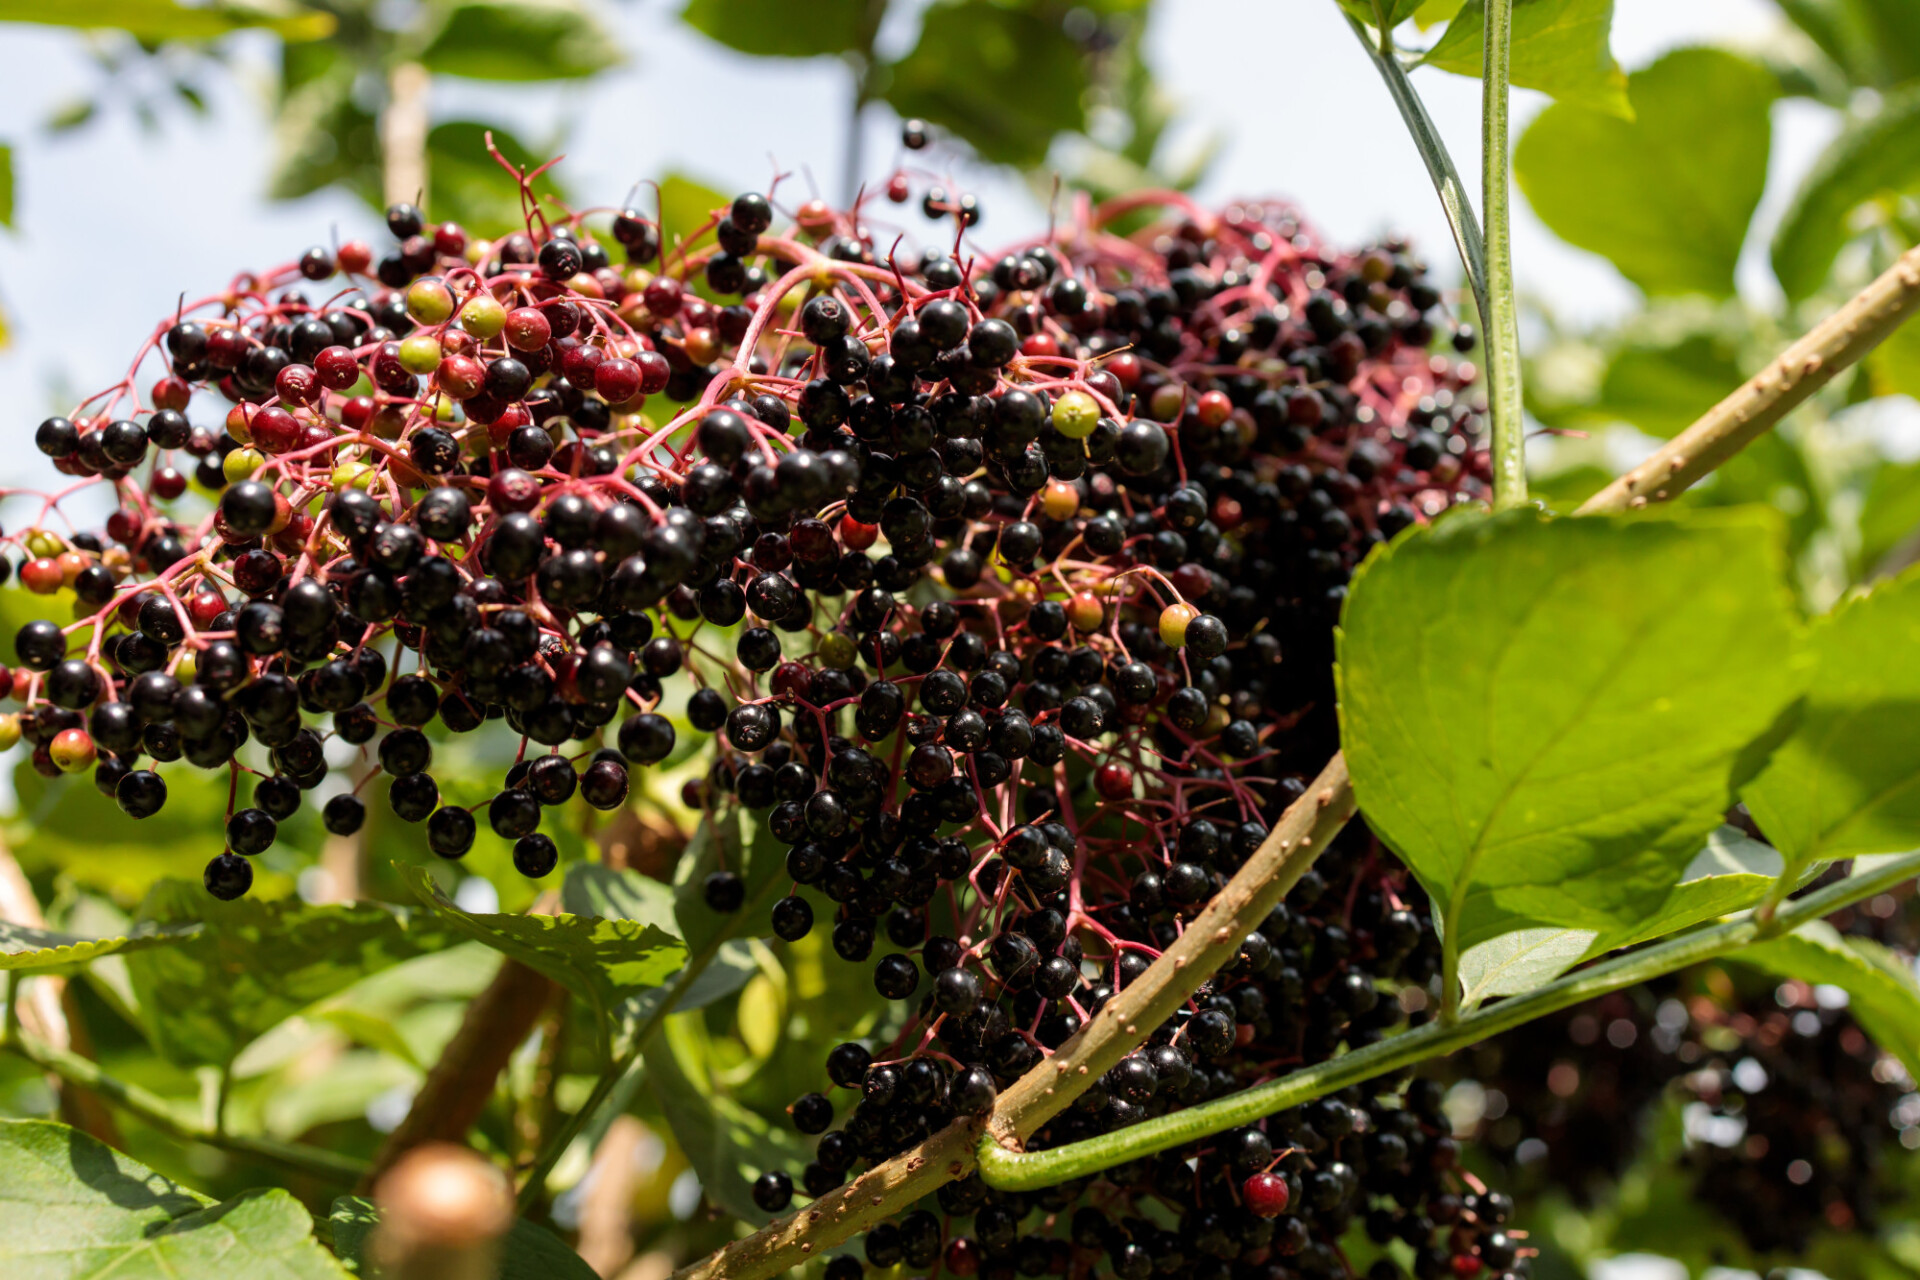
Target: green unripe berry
[(420, 353), (483, 316), (352, 475), (242, 463), (1075, 415), (429, 301), (837, 651)]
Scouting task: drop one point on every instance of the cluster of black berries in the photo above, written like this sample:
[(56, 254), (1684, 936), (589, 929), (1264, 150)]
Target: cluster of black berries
[(1791, 1111)]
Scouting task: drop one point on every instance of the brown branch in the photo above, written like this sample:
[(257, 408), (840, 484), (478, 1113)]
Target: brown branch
[(1213, 936), (457, 1089), (1840, 340)]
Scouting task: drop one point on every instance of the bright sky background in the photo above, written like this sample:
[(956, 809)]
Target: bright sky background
[(114, 222)]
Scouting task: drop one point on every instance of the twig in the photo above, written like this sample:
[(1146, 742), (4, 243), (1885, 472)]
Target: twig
[(1840, 340), (1502, 315), (163, 1115), (1009, 1172), (1305, 829)]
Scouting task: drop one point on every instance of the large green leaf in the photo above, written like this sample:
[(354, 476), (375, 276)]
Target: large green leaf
[(1847, 781), (1733, 872), (1669, 211), (1890, 515), (1005, 80), (530, 1252), (725, 843), (158, 20), (323, 135), (73, 1208), (1395, 11), (1560, 47), (1546, 718), (253, 963), (594, 890), (519, 40), (1883, 994), (1876, 157), (728, 1144), (605, 962), (1663, 388), (28, 949), (1517, 962), (781, 29)]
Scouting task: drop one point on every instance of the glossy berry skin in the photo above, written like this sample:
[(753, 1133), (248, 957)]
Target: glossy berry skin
[(228, 877), (1265, 1195), (723, 891)]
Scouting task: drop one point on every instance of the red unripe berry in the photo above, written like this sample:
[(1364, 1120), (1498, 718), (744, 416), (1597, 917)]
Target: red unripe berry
[(297, 384), (275, 430), (1193, 582), (204, 606), (1085, 612), (315, 434), (663, 296), (1214, 409), (171, 393), (791, 680), (511, 417), (703, 345), (460, 376), (1113, 781), (1265, 1195), (527, 329), (1125, 367), (168, 483), (856, 536), (1465, 1265), (815, 217), (356, 413), (963, 1256), (513, 490), (72, 750), (617, 381), (450, 238), (579, 364), (123, 526), (41, 576), (654, 372), (1040, 344), (354, 257), (898, 188), (22, 684), (336, 368), (1227, 512), (72, 565)]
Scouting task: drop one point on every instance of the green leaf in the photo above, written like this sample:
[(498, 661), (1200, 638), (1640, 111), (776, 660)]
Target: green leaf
[(722, 844), (1890, 515), (1645, 193), (520, 40), (1515, 963), (1005, 80), (322, 135), (73, 1208), (1397, 11), (1663, 388), (1546, 718), (687, 205), (1882, 992), (728, 1144), (605, 962), (1559, 47), (781, 29), (467, 185), (254, 963), (1876, 157), (153, 21), (1847, 781), (1893, 367), (27, 949), (591, 889), (1733, 872), (6, 186), (530, 1252)]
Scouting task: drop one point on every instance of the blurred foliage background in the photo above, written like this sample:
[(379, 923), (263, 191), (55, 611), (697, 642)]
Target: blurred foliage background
[(1657, 169)]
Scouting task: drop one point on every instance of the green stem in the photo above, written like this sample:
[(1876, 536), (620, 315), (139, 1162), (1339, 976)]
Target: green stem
[(1501, 314), (1006, 1171), (1446, 179), (164, 1115)]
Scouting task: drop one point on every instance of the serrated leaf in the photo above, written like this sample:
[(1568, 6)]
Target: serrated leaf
[(520, 40), (1546, 718), (1875, 157), (1847, 781), (780, 29), (25, 949), (604, 962), (1515, 963), (1883, 994), (154, 21), (530, 1252), (1559, 47), (591, 889), (1005, 80), (728, 1144), (73, 1208), (1731, 873), (254, 963), (1669, 213)]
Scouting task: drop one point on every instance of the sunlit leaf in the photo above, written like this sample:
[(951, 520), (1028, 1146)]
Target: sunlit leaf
[(780, 29), (1876, 156), (158, 20), (25, 949), (1559, 47), (519, 40)]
